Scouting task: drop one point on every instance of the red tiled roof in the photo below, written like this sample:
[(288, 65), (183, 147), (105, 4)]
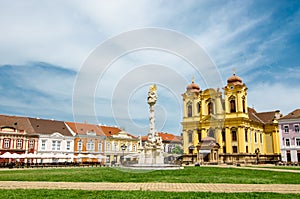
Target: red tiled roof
[(42, 126), (83, 128), (109, 130), (262, 117), (267, 117), (292, 115), (167, 137), (17, 122)]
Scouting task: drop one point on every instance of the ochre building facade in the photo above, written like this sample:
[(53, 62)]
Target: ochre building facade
[(219, 127)]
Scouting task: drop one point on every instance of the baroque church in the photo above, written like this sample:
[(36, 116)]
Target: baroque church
[(219, 127)]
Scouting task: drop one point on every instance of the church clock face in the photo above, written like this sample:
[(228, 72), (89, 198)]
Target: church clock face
[(231, 87)]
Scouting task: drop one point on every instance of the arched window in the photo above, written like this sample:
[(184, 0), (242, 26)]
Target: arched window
[(189, 110), (232, 106), (210, 108), (211, 133), (244, 105)]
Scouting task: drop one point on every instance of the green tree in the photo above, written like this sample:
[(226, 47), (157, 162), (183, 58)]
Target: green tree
[(177, 150)]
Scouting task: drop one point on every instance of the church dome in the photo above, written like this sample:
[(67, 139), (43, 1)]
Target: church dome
[(193, 87), (236, 80)]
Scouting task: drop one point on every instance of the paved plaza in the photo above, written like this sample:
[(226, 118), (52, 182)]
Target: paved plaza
[(172, 187)]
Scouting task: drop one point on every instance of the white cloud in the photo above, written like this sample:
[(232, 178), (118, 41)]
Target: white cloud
[(270, 97), (234, 33)]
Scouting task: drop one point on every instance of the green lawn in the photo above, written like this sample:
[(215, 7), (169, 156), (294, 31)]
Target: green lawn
[(22, 193), (279, 167), (187, 175)]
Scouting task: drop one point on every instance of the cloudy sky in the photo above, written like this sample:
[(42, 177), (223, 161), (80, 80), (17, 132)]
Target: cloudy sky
[(44, 46)]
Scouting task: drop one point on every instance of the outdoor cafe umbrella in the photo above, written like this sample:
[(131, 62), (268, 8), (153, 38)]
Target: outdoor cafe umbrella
[(16, 156), (81, 156), (99, 156), (6, 155), (32, 156)]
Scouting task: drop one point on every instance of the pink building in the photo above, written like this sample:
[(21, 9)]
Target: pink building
[(289, 128)]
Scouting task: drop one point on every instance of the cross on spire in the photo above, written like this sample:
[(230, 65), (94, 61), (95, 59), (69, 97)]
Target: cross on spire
[(234, 71)]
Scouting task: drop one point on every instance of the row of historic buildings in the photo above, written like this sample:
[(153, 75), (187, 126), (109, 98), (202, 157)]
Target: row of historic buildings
[(53, 141), (219, 127), (58, 139)]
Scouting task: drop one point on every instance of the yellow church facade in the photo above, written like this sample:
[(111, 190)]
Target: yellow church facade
[(219, 127)]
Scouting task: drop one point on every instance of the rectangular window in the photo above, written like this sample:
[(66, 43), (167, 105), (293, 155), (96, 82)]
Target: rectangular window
[(43, 145), (100, 146), (79, 145), (68, 145), (296, 128), (223, 135), (261, 138), (287, 142), (247, 150), (234, 149), (246, 135), (53, 145), (19, 144), (134, 148), (58, 144), (233, 133), (91, 145), (255, 137), (224, 149), (297, 141), (6, 143), (108, 146), (286, 129), (190, 137), (31, 144)]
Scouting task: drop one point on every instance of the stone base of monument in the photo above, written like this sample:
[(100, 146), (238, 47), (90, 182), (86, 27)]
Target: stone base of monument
[(152, 159)]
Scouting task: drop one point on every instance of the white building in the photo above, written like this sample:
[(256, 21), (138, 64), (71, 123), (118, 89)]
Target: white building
[(56, 141)]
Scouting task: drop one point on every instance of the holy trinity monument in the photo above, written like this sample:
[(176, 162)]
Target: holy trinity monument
[(151, 154)]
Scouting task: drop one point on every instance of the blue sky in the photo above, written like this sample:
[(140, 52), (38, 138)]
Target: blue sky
[(43, 45)]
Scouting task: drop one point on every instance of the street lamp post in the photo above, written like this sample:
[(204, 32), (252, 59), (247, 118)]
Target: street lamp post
[(257, 154), (191, 148), (123, 147)]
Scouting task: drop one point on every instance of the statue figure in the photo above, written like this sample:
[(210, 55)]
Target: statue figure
[(152, 95)]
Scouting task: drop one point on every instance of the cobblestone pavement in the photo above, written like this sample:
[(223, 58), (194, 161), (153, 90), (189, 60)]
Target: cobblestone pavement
[(174, 187)]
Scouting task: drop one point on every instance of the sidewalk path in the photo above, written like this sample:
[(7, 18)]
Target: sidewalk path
[(173, 187)]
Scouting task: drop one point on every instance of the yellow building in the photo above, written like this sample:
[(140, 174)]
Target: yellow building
[(120, 146), (220, 127)]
